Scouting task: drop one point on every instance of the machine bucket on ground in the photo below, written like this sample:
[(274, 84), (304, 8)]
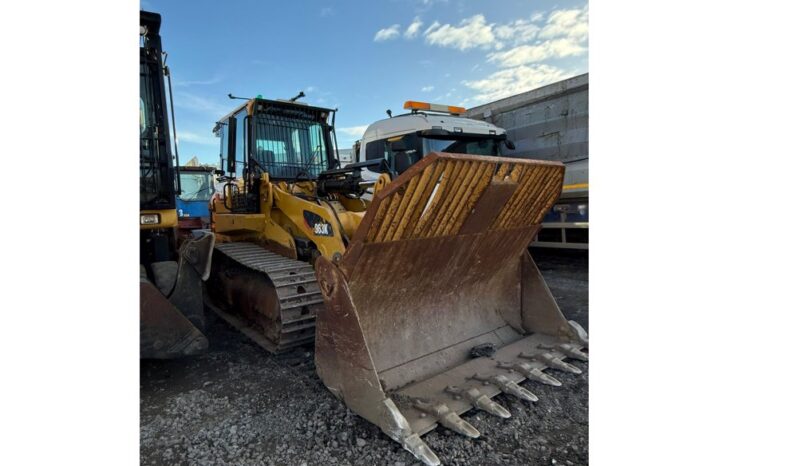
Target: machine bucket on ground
[(437, 306), (171, 313)]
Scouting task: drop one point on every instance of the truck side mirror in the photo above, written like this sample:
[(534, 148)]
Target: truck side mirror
[(510, 144)]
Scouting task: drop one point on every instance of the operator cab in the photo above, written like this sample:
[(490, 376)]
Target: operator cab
[(404, 139), (291, 141)]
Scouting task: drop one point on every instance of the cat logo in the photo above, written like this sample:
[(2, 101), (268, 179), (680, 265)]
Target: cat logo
[(318, 225)]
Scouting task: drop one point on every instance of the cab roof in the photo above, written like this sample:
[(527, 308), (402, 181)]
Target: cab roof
[(419, 121), (276, 103)]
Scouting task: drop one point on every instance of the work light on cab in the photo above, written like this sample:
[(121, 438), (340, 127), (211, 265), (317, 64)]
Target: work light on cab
[(450, 109)]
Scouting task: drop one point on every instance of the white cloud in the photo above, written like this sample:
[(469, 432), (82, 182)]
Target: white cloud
[(530, 42), (472, 32), (566, 23), (412, 30), (526, 54), (476, 32), (388, 33), (188, 136), (427, 88), (200, 82), (353, 131), (432, 27), (513, 81), (518, 32)]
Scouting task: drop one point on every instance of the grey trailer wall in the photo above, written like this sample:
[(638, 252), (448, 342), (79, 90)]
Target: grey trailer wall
[(551, 123)]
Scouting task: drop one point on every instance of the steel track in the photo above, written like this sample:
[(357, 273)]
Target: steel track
[(296, 288)]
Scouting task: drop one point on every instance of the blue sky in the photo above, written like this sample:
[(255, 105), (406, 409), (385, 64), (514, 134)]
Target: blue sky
[(362, 57)]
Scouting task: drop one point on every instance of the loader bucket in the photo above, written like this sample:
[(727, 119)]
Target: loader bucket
[(437, 306), (171, 312), (165, 332)]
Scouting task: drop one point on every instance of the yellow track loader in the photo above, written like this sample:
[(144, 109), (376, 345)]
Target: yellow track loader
[(424, 301)]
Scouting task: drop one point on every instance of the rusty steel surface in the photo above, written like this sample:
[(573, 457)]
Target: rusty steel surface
[(437, 267), (171, 319), (164, 331)]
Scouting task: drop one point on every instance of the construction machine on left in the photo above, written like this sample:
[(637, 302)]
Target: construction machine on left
[(171, 271)]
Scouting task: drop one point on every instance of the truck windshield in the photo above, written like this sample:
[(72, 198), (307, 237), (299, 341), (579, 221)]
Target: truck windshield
[(289, 147), (196, 186), (469, 145)]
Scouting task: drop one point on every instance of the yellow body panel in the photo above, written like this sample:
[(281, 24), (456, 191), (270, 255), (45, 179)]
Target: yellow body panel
[(291, 216), (239, 223), (354, 204), (168, 219), (252, 227), (285, 219), (382, 182)]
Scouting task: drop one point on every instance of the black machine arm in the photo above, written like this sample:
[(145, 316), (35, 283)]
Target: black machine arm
[(347, 180), (354, 166)]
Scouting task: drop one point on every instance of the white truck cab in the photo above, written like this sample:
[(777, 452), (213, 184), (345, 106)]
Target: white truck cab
[(403, 140)]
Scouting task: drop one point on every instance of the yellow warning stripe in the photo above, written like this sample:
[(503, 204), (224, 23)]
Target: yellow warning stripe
[(574, 186)]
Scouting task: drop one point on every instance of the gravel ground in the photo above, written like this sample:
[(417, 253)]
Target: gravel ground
[(239, 405)]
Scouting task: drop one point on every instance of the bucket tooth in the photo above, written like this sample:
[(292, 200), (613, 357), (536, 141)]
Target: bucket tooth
[(454, 422), (447, 418), (420, 450), (581, 333), (572, 351), (486, 404), (531, 373), (552, 361), (508, 386), (480, 401)]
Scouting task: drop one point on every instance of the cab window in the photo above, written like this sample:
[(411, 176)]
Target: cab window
[(398, 161), (474, 146), (376, 150), (196, 186)]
